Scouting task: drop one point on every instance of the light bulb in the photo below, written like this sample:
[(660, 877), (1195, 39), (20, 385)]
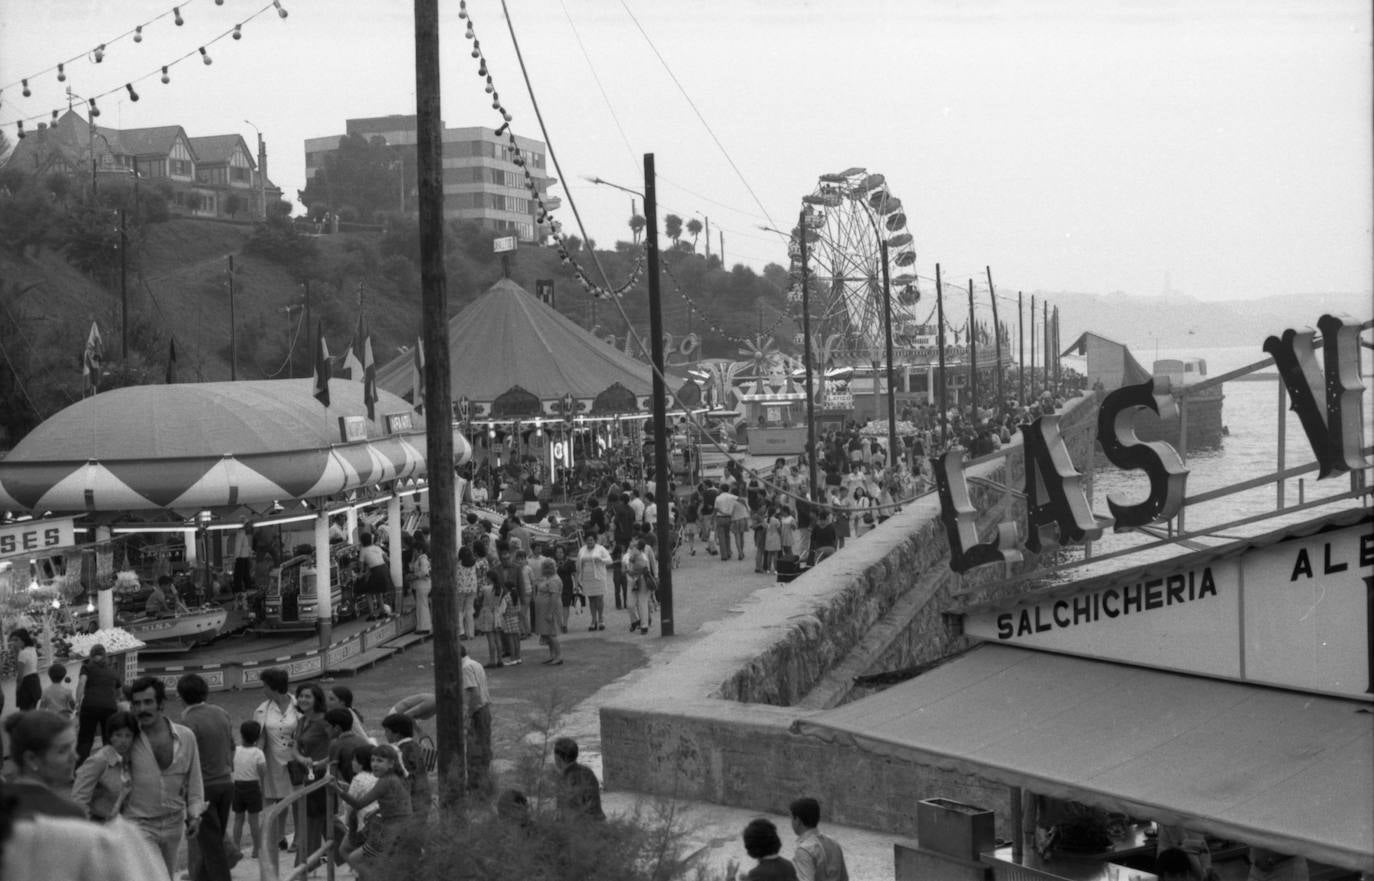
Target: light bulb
[(90, 607), (138, 34), (100, 53), (505, 114), (176, 14), (20, 132), (133, 96), (165, 78), (27, 93), (281, 11), (476, 49), (238, 32), (490, 88), (462, 9), (95, 111), (205, 56), (61, 74), (54, 116)]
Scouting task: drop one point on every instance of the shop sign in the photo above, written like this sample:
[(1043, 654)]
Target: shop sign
[(399, 422), (503, 244), (1295, 614), (352, 428), (36, 536), (1326, 399)]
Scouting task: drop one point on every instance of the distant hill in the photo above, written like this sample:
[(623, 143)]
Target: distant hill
[(1181, 322)]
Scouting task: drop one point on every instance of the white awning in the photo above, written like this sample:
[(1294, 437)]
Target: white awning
[(1290, 770)]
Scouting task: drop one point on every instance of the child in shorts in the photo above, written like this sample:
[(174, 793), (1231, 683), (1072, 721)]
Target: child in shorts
[(57, 697), (250, 768)]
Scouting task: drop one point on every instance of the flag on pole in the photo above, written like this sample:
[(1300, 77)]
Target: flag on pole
[(352, 360), (92, 359), (322, 368), (369, 376), (417, 384), (172, 361)]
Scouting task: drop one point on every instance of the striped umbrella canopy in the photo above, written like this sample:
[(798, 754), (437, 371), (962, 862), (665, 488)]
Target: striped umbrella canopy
[(196, 446)]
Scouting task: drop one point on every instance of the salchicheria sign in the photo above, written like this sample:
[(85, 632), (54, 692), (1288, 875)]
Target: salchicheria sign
[(1294, 614), (1326, 399)]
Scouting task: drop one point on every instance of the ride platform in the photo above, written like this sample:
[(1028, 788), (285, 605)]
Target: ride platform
[(237, 660)]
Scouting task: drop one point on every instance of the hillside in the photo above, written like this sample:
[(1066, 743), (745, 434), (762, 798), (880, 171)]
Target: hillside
[(178, 289)]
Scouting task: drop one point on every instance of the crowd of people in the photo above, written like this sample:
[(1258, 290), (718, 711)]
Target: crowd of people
[(199, 778)]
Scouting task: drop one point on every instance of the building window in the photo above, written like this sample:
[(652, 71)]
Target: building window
[(180, 167), (238, 174)]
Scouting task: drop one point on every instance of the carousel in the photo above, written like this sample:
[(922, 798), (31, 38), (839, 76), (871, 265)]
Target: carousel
[(131, 486)]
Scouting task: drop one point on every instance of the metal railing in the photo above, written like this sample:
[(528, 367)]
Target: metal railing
[(273, 829)]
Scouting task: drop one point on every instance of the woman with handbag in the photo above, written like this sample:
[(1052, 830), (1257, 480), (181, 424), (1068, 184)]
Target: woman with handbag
[(420, 583), (309, 759), (278, 717)]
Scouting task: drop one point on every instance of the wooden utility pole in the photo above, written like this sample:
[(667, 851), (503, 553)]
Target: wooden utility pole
[(233, 328), (812, 491), (972, 358), (443, 520), (1021, 353), (665, 545), (123, 289), (1045, 351), (1032, 341), (997, 337), (940, 341)]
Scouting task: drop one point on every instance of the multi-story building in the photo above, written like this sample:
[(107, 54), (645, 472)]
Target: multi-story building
[(215, 176), (482, 182)]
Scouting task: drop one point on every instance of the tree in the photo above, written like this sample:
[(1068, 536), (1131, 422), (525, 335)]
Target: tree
[(233, 204), (672, 228), (360, 175), (694, 230), (637, 223)]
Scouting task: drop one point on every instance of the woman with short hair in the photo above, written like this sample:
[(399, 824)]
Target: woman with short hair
[(103, 780)]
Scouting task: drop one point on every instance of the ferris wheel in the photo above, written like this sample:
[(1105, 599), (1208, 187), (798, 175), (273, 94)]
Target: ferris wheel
[(851, 220)]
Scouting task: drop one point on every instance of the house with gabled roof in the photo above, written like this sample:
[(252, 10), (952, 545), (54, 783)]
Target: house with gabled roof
[(202, 173)]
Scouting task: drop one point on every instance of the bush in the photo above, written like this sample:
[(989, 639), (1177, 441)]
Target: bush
[(278, 241)]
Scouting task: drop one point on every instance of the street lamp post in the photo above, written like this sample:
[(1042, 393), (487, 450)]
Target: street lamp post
[(660, 417), (811, 451)]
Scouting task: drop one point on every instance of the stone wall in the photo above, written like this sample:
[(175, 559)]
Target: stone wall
[(714, 725)]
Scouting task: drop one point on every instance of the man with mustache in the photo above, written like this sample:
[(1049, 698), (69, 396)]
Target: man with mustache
[(167, 794)]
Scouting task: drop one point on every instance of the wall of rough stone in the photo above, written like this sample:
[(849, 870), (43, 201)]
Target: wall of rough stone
[(714, 725)]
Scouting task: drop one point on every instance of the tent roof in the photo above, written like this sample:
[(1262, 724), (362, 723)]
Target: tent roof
[(1108, 360), (509, 337), (1293, 770), (201, 445)]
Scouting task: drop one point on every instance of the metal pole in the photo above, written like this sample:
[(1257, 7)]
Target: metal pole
[(997, 337), (233, 329), (1045, 351), (262, 175), (807, 355), (1032, 342), (1283, 446), (940, 342), (891, 386), (123, 288), (664, 523), (448, 680), (972, 359)]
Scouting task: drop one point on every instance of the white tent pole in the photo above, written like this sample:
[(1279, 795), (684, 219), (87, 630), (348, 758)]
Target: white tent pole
[(323, 586), (192, 553), (393, 521)]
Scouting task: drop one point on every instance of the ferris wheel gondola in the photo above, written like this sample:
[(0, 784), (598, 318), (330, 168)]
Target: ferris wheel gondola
[(852, 221)]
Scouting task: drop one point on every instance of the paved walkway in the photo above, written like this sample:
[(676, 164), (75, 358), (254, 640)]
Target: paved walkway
[(532, 701)]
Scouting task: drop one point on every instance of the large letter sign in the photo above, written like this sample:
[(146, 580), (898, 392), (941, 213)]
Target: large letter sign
[(1335, 434), (1054, 490), (961, 519), (1160, 461)]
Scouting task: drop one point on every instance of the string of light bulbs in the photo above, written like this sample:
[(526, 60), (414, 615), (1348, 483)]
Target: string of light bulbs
[(97, 55), (544, 213), (782, 314)]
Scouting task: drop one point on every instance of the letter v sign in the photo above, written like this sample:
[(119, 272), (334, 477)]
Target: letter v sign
[(1328, 402)]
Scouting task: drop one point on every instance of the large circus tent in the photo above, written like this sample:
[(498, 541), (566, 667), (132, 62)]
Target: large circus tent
[(513, 357), (176, 450)]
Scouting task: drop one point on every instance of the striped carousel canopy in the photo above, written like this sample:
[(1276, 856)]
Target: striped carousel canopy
[(195, 446)]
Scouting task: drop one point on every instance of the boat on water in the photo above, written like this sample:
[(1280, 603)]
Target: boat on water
[(1197, 423), (177, 632)]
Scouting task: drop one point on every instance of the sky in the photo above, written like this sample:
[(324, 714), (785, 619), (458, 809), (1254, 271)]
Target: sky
[(1217, 148)]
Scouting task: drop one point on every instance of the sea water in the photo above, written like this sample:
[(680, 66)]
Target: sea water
[(1249, 449)]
